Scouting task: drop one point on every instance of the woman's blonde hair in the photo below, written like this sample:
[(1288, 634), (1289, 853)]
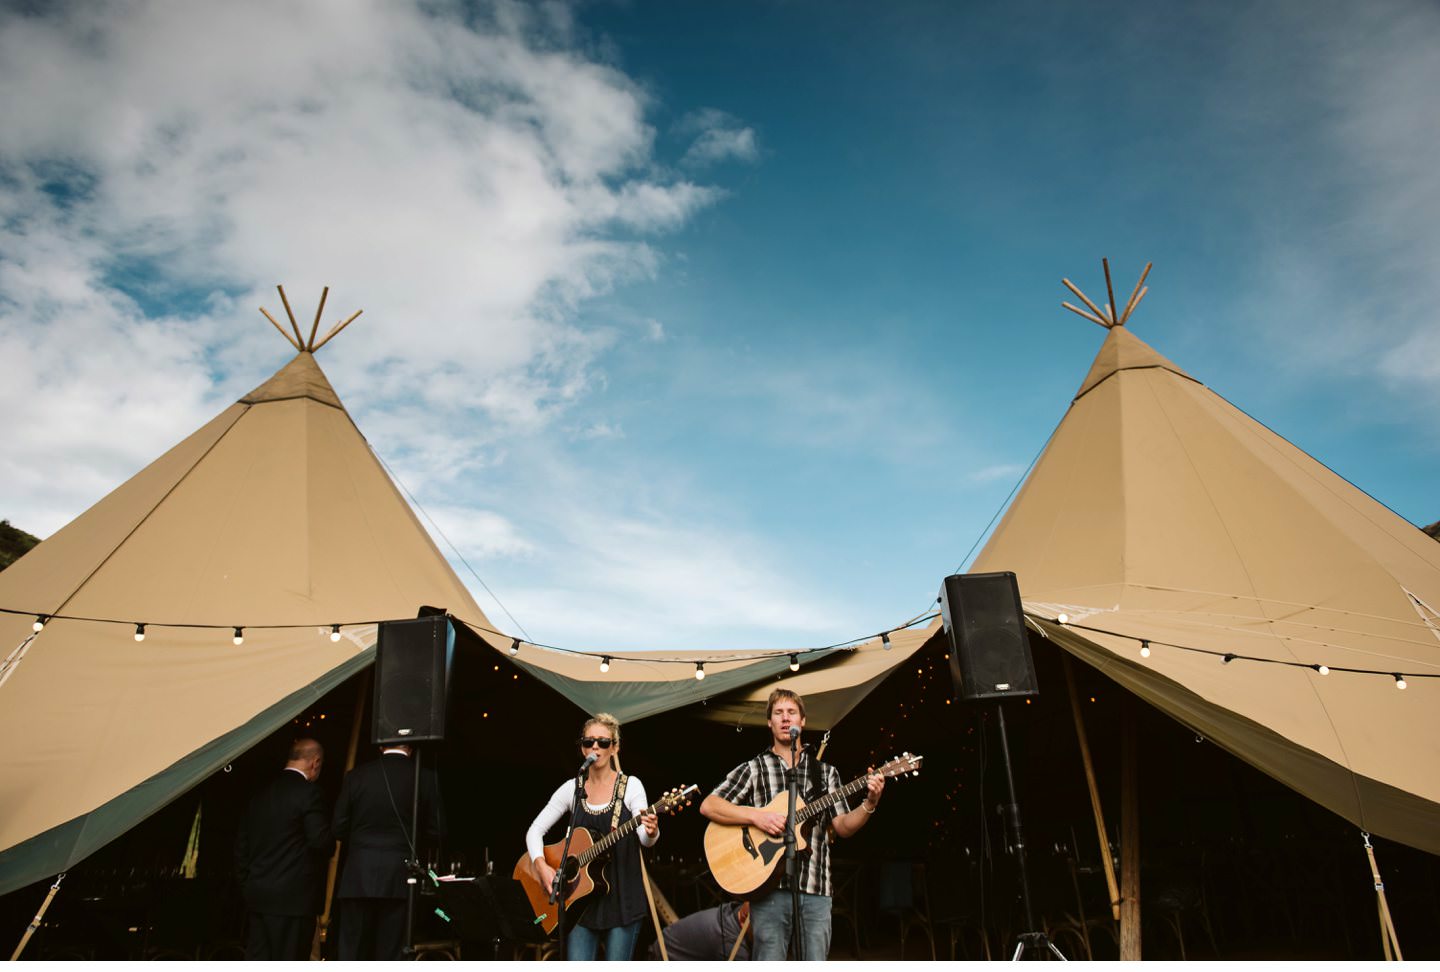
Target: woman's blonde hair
[(613, 724)]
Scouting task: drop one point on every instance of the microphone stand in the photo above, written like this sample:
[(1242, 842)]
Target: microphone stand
[(414, 867), (1030, 938), (557, 889), (792, 860)]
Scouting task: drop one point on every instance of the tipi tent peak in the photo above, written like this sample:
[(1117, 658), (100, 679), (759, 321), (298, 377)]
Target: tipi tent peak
[(299, 342), (1107, 318)]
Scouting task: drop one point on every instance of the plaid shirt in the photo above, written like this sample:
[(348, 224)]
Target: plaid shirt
[(758, 781)]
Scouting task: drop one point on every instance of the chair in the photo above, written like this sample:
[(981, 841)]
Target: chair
[(902, 896)]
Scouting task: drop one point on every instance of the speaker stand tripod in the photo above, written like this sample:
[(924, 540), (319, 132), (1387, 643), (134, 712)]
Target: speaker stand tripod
[(1036, 941)]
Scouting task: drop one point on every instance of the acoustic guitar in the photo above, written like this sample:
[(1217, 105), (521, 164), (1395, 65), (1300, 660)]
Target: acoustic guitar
[(585, 849), (742, 857)]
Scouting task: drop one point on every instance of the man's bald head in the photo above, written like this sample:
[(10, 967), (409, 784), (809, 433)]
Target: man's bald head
[(306, 755)]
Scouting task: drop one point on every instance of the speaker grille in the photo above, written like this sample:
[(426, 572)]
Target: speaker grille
[(412, 668), (989, 650)]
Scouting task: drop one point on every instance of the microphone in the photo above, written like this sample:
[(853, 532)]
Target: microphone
[(794, 733), (589, 761)]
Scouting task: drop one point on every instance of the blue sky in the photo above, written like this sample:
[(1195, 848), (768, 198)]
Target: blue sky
[(723, 325)]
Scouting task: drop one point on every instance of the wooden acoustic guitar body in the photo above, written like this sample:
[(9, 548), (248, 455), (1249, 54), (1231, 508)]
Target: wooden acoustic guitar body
[(578, 880), (743, 858)]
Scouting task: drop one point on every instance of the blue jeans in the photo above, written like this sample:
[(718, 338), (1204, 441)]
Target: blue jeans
[(770, 918), (619, 943)]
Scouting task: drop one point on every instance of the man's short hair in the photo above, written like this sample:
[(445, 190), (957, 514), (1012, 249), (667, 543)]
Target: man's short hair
[(782, 693), (305, 749)]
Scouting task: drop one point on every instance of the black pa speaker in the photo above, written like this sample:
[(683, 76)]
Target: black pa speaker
[(989, 649), (412, 680)]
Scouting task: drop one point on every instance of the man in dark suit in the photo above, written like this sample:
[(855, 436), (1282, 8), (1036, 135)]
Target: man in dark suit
[(281, 852), (372, 821)]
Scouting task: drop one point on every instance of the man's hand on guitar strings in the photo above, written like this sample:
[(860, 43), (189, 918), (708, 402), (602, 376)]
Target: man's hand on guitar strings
[(875, 787)]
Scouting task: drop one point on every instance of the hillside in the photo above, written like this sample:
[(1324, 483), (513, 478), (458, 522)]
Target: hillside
[(13, 543)]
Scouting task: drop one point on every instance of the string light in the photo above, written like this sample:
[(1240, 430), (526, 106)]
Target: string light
[(794, 663), (605, 664), (514, 647), (1400, 682), (1322, 669), (699, 671), (1228, 657), (139, 632), (239, 638), (334, 632), (885, 640), (1144, 649), (1063, 618), (39, 624)]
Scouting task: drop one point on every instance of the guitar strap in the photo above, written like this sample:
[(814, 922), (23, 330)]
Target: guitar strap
[(619, 800)]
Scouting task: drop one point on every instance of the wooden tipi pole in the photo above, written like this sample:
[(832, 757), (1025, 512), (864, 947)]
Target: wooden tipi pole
[(1129, 835), (1095, 806), (322, 928)]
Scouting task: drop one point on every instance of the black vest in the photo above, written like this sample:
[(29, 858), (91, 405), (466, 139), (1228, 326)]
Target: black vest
[(625, 903)]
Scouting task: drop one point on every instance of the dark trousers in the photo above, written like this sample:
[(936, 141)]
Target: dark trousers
[(371, 928), (279, 937)]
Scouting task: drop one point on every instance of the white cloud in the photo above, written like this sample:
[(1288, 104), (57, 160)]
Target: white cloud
[(1349, 263), (477, 533), (467, 177), (656, 581), (718, 136), (990, 474)]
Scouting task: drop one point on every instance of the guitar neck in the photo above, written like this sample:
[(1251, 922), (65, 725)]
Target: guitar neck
[(830, 799), (615, 836)]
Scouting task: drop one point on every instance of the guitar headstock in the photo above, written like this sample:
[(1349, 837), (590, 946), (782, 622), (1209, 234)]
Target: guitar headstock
[(901, 765), (677, 799)]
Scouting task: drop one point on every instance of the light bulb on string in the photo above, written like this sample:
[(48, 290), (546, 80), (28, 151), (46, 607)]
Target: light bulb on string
[(605, 664), (1063, 618), (139, 632), (1400, 682), (1322, 669), (334, 632), (699, 671), (239, 638), (39, 624), (514, 647), (1144, 649), (794, 663), (885, 640)]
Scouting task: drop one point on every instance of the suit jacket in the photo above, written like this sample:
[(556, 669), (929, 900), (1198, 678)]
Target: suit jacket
[(282, 848), (372, 818)]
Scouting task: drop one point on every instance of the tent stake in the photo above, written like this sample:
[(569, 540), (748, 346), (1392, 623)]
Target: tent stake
[(322, 927), (1094, 790), (1129, 836)]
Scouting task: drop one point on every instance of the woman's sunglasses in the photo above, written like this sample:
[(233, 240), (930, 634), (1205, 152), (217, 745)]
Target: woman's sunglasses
[(587, 741)]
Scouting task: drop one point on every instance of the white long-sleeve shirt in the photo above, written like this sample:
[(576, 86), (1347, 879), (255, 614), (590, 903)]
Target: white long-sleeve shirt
[(559, 809)]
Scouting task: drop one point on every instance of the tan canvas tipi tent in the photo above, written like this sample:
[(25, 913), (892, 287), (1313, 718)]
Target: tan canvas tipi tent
[(275, 517), (1172, 530)]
